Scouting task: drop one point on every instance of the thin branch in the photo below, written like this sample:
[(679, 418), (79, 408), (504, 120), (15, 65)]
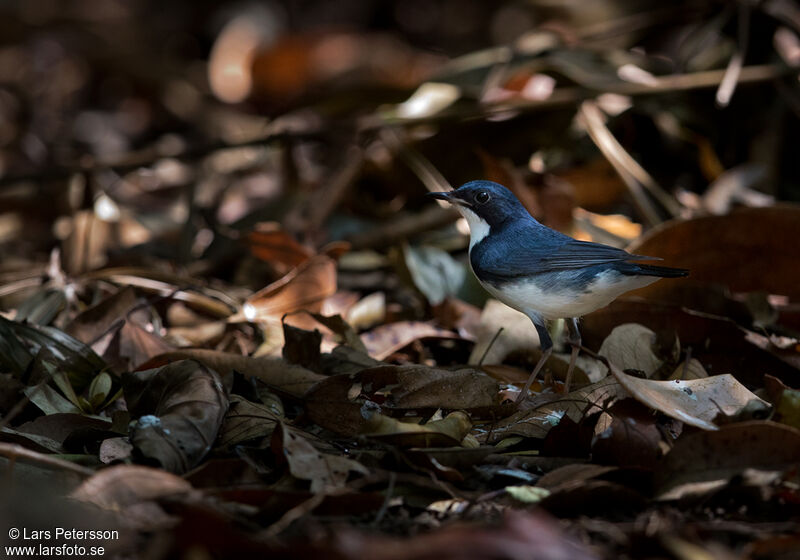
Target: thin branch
[(14, 452)]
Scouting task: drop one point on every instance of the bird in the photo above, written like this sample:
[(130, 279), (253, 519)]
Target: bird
[(541, 272)]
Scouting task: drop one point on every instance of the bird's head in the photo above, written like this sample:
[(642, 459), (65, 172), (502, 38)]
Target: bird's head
[(484, 205)]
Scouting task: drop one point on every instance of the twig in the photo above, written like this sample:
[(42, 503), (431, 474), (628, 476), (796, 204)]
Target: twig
[(404, 227), (14, 452), (633, 174), (387, 499), (133, 161), (300, 510), (491, 343), (575, 95), (418, 163), (326, 201), (728, 84)]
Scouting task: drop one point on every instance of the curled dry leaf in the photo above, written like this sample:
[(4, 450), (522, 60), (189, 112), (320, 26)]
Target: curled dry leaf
[(271, 244), (305, 462), (95, 321), (632, 346), (275, 372), (114, 328), (180, 408), (696, 401), (447, 432), (704, 461), (131, 492), (304, 287), (246, 420), (383, 341)]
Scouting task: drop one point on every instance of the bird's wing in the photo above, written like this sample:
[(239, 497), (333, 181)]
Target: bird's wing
[(580, 254), (520, 253)]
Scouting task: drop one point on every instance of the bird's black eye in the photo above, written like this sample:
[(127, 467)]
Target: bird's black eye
[(482, 197)]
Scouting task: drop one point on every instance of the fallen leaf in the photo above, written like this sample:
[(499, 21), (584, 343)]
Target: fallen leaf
[(179, 409), (632, 346), (383, 341), (115, 449), (426, 387), (516, 333), (333, 405), (704, 461), (447, 432), (245, 421), (131, 493), (304, 287), (20, 343), (527, 494), (764, 238), (632, 438), (367, 312), (98, 319), (302, 347), (717, 342), (696, 402), (275, 372), (325, 471), (271, 244)]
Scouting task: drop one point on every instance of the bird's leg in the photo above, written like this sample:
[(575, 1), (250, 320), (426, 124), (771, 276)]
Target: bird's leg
[(547, 348), (574, 340)]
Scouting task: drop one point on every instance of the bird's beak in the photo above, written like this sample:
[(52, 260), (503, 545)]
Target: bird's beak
[(440, 196), (450, 197)]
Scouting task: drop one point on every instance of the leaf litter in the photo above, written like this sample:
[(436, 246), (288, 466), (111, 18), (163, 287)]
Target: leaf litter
[(188, 347)]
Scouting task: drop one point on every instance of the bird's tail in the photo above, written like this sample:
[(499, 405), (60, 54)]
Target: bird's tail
[(661, 271)]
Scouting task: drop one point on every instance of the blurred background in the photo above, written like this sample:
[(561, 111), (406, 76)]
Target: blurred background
[(204, 138), (234, 181)]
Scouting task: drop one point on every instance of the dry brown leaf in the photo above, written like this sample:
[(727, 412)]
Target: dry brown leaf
[(447, 432), (763, 238), (138, 345), (95, 321), (304, 287), (632, 346), (246, 420), (704, 461), (131, 492), (426, 387), (718, 342), (695, 402), (324, 470), (179, 408), (383, 341), (275, 372), (271, 244)]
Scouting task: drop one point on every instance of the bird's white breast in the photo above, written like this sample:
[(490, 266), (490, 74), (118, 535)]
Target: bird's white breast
[(556, 300)]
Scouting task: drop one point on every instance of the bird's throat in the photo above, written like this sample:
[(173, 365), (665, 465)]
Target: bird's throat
[(478, 227)]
